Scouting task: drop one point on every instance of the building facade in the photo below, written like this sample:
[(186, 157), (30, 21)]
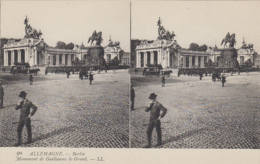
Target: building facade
[(36, 52)]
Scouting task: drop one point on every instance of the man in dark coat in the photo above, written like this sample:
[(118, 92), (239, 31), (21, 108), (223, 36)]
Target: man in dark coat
[(155, 108), (68, 73), (31, 79), (223, 80), (25, 105), (201, 75), (132, 97), (163, 81), (90, 78), (1, 96)]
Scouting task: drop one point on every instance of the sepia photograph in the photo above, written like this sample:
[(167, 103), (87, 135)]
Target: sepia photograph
[(64, 74), (195, 75), (116, 82)]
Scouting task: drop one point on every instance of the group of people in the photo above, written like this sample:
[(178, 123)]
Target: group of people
[(87, 75)]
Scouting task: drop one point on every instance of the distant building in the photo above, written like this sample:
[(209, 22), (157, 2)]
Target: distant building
[(112, 51), (126, 59), (36, 52)]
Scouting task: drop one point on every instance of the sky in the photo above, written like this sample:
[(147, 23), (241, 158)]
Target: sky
[(201, 22), (68, 21)]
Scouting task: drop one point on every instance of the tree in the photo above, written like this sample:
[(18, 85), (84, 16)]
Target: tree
[(204, 47), (194, 47), (115, 61), (61, 45), (70, 46)]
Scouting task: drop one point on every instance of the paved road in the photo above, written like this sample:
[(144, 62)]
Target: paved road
[(201, 114), (71, 113)]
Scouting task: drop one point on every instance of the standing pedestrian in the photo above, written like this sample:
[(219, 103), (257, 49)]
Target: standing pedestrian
[(90, 78), (223, 79), (163, 81), (201, 75), (1, 96), (31, 79), (155, 108), (132, 97), (25, 114), (68, 73), (46, 71)]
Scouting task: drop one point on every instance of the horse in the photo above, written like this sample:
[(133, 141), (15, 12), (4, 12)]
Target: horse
[(231, 40), (34, 71), (96, 37)]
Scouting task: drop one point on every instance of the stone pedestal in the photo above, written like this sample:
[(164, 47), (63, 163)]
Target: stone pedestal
[(95, 56), (228, 58)]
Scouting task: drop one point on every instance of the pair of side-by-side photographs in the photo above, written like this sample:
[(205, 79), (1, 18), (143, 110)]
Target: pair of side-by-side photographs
[(85, 74)]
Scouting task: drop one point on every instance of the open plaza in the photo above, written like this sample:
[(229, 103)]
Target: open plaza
[(201, 113), (71, 112)]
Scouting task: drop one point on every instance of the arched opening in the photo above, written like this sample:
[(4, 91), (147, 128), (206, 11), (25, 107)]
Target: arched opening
[(22, 56), (142, 59), (9, 58)]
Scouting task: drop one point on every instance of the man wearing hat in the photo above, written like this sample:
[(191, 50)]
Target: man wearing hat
[(25, 105), (155, 108), (1, 96)]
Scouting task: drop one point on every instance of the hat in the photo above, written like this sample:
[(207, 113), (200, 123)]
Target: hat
[(152, 96), (22, 94)]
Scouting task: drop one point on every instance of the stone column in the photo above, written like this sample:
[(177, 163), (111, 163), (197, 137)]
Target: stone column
[(36, 57), (145, 59), (184, 61), (202, 62), (19, 56), (51, 59), (159, 57), (63, 59), (190, 61), (57, 59), (137, 59), (168, 56), (152, 57), (5, 58), (196, 61), (69, 60), (12, 57)]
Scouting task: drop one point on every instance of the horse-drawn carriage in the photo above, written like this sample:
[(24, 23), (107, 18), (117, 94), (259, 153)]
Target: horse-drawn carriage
[(151, 71), (20, 68)]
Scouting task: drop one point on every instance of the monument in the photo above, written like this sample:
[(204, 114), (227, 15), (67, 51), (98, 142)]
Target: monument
[(162, 51), (228, 56), (95, 53)]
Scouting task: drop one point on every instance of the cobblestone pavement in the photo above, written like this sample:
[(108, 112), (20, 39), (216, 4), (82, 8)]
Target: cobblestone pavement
[(201, 114), (71, 113)]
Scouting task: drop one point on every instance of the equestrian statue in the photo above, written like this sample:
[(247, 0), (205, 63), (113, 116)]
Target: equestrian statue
[(96, 37), (229, 39)]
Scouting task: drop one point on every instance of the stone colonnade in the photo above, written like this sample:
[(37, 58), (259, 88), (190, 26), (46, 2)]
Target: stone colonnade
[(57, 59), (148, 57), (13, 56), (190, 61)]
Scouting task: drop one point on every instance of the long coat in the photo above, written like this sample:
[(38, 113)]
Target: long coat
[(25, 109), (155, 110)]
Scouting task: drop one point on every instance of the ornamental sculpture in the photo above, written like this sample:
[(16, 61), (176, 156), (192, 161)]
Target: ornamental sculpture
[(163, 34), (229, 39), (96, 37), (113, 44), (31, 32)]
